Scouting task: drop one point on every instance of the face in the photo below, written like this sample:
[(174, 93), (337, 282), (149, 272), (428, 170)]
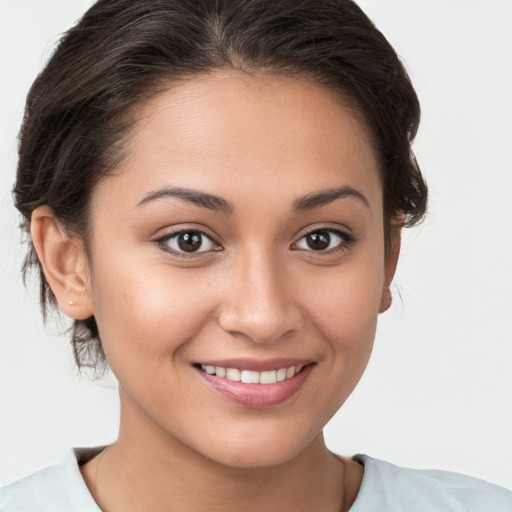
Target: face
[(242, 238)]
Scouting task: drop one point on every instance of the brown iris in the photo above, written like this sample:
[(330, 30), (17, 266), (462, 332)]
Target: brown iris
[(190, 241), (319, 240)]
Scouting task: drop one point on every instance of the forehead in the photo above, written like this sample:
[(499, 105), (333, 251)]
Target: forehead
[(232, 132)]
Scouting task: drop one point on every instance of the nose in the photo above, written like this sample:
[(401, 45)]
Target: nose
[(260, 303)]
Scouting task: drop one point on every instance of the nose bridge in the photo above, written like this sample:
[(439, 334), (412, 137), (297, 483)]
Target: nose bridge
[(261, 304)]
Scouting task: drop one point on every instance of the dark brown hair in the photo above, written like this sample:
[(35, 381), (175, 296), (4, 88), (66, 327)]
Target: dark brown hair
[(82, 105)]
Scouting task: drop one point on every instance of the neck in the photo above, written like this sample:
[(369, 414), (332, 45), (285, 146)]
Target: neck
[(148, 470)]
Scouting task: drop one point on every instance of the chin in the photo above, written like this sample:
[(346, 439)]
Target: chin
[(255, 457), (257, 451)]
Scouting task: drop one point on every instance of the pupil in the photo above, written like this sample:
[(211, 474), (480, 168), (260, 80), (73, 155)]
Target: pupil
[(319, 241), (189, 242)]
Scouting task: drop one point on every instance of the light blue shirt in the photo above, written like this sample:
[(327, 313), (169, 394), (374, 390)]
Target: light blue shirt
[(385, 488)]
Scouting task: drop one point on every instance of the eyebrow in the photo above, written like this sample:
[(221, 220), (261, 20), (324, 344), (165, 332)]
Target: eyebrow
[(216, 203), (196, 197), (323, 197)]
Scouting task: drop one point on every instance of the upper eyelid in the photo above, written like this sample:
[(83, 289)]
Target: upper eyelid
[(161, 241), (173, 233), (338, 229), (347, 237), (344, 232)]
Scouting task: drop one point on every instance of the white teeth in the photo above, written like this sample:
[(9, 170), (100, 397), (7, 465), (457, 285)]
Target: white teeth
[(233, 374), (250, 376), (268, 377)]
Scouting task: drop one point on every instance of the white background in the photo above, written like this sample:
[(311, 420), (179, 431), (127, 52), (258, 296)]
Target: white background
[(438, 389)]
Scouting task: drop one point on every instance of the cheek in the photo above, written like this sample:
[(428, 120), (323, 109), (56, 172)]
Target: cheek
[(348, 304), (345, 314), (147, 310), (350, 327)]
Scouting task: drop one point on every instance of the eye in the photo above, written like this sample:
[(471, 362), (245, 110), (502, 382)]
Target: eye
[(324, 240), (188, 242)]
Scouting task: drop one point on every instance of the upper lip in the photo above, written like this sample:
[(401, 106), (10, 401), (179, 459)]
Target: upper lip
[(257, 365)]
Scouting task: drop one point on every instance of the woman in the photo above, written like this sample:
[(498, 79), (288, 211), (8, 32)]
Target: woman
[(215, 193)]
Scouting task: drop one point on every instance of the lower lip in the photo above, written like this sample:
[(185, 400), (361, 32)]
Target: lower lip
[(257, 396)]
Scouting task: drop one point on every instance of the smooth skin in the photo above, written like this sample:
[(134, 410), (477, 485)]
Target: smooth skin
[(256, 287)]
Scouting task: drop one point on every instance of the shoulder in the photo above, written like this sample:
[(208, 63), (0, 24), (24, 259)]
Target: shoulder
[(386, 486), (58, 488)]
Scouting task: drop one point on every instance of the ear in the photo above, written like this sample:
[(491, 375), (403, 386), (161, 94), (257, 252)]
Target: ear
[(391, 260), (64, 263)]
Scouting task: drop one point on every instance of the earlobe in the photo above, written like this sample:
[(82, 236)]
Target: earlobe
[(391, 261), (64, 263), (385, 300)]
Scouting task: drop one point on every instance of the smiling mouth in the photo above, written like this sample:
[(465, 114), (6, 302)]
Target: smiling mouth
[(256, 384), (250, 376)]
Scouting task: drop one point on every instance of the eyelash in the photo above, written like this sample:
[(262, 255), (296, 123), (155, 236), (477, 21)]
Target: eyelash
[(346, 240), (162, 242)]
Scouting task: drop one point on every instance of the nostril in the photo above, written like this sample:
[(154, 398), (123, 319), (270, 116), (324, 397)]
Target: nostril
[(260, 327), (260, 306)]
